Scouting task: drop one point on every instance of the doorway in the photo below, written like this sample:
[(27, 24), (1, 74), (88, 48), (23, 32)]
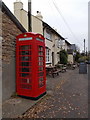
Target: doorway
[(52, 58)]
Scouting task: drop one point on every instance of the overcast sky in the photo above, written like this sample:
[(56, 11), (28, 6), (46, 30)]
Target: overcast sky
[(70, 18)]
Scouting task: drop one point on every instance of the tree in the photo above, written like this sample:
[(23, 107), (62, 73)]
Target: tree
[(63, 57), (77, 56)]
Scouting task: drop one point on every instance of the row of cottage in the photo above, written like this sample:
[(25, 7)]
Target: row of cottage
[(53, 39), (15, 24)]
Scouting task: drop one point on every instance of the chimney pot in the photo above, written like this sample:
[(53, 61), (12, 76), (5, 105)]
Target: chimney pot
[(39, 15), (18, 0), (37, 11)]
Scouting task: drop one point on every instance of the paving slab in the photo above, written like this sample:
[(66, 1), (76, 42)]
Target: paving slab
[(15, 107)]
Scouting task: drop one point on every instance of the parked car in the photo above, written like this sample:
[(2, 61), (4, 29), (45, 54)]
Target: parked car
[(88, 62)]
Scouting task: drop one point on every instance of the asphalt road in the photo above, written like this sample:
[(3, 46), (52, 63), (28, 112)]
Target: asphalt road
[(67, 97)]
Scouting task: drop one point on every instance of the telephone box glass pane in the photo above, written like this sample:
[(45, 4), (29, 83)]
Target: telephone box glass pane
[(26, 63), (25, 53), (40, 48), (26, 80), (26, 86), (25, 47), (25, 69), (41, 84), (40, 63), (24, 74), (40, 68), (40, 58), (41, 79), (25, 58), (40, 52), (41, 74)]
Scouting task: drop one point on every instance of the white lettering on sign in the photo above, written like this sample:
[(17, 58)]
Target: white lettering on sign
[(29, 38), (39, 39)]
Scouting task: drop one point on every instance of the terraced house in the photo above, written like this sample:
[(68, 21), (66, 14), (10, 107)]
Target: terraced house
[(52, 37)]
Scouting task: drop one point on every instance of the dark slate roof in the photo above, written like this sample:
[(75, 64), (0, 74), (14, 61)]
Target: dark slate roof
[(51, 29), (73, 46), (5, 9), (67, 42)]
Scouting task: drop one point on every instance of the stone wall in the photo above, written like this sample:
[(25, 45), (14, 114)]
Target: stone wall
[(9, 33)]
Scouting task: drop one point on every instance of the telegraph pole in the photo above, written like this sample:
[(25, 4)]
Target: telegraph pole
[(84, 46), (29, 16), (86, 51)]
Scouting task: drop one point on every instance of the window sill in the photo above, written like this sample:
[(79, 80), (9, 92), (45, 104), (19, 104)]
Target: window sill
[(49, 39), (48, 62)]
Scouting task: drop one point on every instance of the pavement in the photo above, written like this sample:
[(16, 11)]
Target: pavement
[(0, 93), (15, 107), (67, 97)]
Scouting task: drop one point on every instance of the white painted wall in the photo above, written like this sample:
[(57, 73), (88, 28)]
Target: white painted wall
[(22, 16), (70, 58)]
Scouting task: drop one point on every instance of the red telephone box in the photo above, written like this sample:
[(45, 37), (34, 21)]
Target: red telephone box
[(30, 65)]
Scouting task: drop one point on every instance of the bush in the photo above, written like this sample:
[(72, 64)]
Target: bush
[(63, 57)]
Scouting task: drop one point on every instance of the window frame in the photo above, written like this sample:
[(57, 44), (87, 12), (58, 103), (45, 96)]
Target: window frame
[(48, 35), (47, 55)]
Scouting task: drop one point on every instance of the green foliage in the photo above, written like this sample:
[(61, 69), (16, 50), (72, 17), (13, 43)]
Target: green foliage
[(63, 57), (83, 59), (77, 57), (88, 58)]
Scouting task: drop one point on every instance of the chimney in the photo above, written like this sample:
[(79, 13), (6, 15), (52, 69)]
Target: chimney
[(18, 0), (18, 5), (29, 16), (39, 15)]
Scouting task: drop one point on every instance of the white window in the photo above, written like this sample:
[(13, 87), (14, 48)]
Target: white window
[(61, 44), (47, 55), (58, 43), (48, 35)]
